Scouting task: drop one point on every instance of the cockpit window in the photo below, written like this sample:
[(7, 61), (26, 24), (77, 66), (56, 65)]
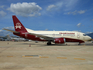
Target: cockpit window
[(84, 35)]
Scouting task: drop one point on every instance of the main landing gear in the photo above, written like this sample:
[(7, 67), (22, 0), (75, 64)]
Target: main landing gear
[(49, 43)]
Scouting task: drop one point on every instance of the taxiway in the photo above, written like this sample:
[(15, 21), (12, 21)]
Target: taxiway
[(39, 56)]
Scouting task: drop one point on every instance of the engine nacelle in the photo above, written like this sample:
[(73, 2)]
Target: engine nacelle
[(59, 40)]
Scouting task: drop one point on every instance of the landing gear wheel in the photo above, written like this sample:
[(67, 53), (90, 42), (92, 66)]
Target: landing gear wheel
[(79, 44), (49, 43)]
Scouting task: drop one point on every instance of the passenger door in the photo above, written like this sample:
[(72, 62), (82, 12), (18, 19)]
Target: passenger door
[(78, 35)]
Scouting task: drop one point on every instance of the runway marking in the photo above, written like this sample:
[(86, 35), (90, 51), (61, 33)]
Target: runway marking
[(27, 56), (79, 59), (47, 57), (61, 58), (9, 56), (30, 56), (44, 57)]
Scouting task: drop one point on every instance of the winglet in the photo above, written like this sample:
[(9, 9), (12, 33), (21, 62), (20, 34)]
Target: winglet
[(18, 25)]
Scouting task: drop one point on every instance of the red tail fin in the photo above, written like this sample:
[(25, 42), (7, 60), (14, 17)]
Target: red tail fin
[(18, 25)]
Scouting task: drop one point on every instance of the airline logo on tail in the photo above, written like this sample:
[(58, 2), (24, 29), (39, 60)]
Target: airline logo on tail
[(18, 25)]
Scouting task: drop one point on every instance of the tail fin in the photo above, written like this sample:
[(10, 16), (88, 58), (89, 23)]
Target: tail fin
[(18, 25)]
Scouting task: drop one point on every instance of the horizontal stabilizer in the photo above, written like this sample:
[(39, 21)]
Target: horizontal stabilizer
[(11, 31)]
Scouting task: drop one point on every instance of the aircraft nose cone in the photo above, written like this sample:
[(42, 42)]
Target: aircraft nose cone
[(90, 38)]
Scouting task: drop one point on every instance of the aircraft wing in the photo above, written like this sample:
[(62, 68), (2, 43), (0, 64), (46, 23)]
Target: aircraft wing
[(42, 36), (37, 35), (11, 30)]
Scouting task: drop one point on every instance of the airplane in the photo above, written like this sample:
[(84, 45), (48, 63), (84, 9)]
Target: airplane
[(57, 37)]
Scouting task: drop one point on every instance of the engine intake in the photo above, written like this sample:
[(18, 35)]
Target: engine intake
[(59, 40)]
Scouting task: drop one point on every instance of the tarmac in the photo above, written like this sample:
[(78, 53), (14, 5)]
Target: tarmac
[(39, 56)]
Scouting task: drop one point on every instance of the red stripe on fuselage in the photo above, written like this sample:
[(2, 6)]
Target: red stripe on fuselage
[(32, 37), (28, 36), (73, 40)]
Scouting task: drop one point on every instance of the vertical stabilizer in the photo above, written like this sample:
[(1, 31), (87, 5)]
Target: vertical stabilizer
[(18, 25)]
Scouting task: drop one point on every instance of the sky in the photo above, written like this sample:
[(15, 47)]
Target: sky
[(58, 15)]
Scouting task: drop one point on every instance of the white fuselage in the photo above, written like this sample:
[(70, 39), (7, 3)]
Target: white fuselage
[(63, 34)]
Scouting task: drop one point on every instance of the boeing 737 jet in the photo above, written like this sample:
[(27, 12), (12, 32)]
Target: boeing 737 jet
[(57, 37)]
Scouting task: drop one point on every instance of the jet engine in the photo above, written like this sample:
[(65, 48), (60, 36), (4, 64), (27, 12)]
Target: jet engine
[(59, 40)]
